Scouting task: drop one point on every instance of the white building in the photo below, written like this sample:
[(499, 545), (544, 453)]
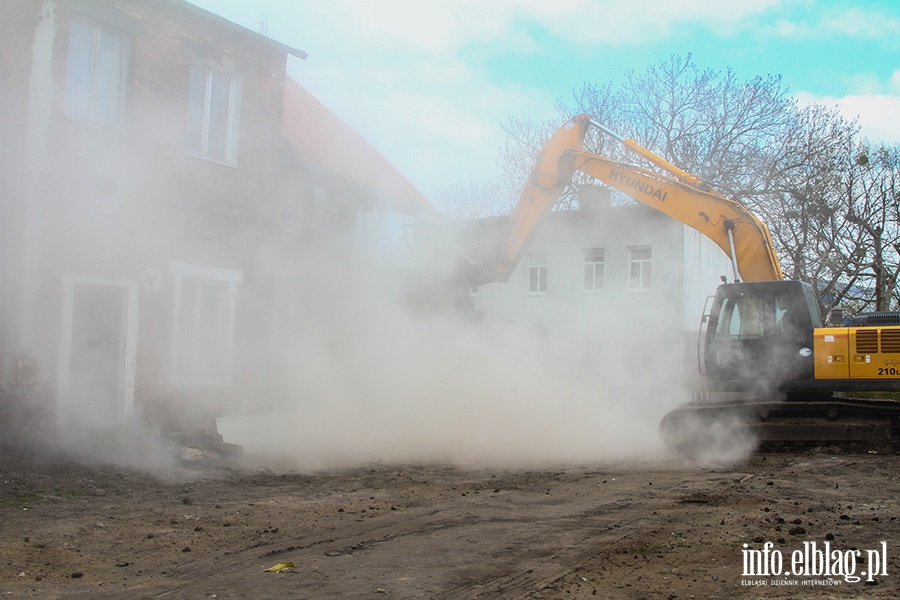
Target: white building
[(621, 287)]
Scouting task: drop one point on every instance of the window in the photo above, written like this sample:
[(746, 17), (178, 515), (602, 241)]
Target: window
[(782, 304), (95, 74), (213, 109), (742, 318), (203, 332), (537, 273), (640, 259), (593, 269)]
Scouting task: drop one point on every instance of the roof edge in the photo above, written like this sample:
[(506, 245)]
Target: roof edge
[(301, 54)]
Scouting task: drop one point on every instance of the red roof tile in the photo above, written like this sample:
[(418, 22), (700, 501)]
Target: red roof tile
[(324, 141)]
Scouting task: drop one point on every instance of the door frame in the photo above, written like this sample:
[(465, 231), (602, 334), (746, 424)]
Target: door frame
[(129, 332)]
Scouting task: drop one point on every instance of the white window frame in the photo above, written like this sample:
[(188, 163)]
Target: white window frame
[(592, 266), (536, 274), (82, 96), (643, 282), (201, 119), (229, 277)]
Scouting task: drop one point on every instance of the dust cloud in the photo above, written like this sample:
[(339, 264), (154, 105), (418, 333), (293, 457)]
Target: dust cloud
[(116, 230), (366, 376), (374, 380)]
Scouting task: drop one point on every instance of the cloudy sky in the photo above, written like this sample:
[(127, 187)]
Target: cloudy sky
[(428, 82)]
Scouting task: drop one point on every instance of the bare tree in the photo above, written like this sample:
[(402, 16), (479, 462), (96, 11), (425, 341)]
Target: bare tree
[(706, 122), (831, 207), (801, 199), (667, 107), (834, 216), (872, 196)]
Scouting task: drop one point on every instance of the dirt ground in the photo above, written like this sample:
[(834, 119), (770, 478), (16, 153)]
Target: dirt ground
[(641, 529)]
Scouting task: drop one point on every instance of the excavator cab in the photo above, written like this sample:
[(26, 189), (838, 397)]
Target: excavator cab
[(759, 337)]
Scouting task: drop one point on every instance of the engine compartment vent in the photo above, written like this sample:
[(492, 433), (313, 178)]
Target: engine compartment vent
[(867, 341), (890, 340)]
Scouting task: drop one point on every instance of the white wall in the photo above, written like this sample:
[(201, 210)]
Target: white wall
[(634, 330), (566, 305), (704, 265)]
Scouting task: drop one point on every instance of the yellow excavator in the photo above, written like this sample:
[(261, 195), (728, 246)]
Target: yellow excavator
[(769, 362)]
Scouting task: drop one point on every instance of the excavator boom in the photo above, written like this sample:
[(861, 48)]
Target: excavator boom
[(669, 190), (546, 183), (726, 222)]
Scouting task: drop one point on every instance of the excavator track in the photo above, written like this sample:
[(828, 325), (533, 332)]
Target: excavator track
[(711, 427)]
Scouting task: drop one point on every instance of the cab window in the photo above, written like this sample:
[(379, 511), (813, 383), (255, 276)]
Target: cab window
[(742, 318)]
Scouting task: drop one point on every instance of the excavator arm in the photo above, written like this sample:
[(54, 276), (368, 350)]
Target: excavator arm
[(668, 189)]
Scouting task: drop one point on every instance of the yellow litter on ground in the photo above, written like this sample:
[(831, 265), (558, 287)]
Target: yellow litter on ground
[(280, 567)]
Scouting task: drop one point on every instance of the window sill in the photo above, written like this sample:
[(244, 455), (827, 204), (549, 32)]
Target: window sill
[(211, 159)]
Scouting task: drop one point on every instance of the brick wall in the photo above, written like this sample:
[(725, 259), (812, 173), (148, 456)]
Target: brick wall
[(112, 203), (18, 19)]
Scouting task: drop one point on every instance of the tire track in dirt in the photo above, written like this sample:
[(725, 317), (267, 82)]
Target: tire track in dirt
[(440, 551)]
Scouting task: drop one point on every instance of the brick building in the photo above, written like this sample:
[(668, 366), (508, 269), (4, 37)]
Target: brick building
[(152, 205)]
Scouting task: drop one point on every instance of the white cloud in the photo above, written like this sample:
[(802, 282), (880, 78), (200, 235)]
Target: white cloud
[(870, 22), (395, 71), (635, 23), (434, 132), (879, 115), (399, 72), (434, 26), (876, 107), (823, 20)]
